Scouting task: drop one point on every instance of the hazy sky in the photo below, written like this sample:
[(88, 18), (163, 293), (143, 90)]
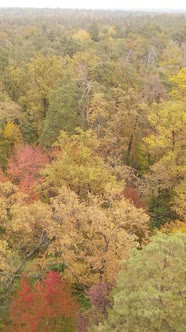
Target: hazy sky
[(129, 4)]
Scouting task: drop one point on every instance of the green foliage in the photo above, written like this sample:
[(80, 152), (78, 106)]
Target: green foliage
[(159, 207), (119, 79), (79, 293), (33, 94), (150, 294), (94, 32), (165, 144), (64, 113)]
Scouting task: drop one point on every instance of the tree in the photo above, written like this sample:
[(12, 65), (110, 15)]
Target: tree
[(24, 166), (97, 114), (10, 136), (64, 112), (94, 32), (166, 147), (23, 235), (78, 166), (179, 199), (100, 300), (171, 58), (83, 39), (45, 306), (3, 177), (150, 293), (92, 237), (10, 112), (179, 92), (33, 94)]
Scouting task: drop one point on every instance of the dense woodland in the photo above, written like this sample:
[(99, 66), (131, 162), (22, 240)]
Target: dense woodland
[(92, 171)]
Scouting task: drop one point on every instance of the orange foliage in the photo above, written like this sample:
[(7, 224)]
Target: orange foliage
[(3, 177), (173, 227), (45, 307), (133, 196)]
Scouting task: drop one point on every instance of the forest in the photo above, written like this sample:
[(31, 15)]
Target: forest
[(92, 171)]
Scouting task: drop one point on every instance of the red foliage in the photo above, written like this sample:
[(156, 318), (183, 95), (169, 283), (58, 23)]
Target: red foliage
[(134, 197), (43, 307), (24, 167)]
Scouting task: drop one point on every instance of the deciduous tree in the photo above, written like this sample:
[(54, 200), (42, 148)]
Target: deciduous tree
[(45, 306), (24, 166), (150, 293)]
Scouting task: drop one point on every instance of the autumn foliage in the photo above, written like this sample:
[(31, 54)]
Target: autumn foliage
[(46, 306), (3, 177), (92, 163), (133, 196), (24, 167)]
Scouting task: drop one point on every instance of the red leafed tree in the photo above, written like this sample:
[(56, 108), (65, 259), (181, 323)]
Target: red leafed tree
[(134, 197), (45, 307), (24, 167)]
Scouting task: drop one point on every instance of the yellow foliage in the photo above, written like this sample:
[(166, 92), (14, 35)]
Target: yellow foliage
[(23, 228), (42, 72), (97, 114), (92, 238), (171, 58), (82, 35), (6, 259), (180, 80), (173, 227), (166, 142), (12, 133), (78, 166)]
